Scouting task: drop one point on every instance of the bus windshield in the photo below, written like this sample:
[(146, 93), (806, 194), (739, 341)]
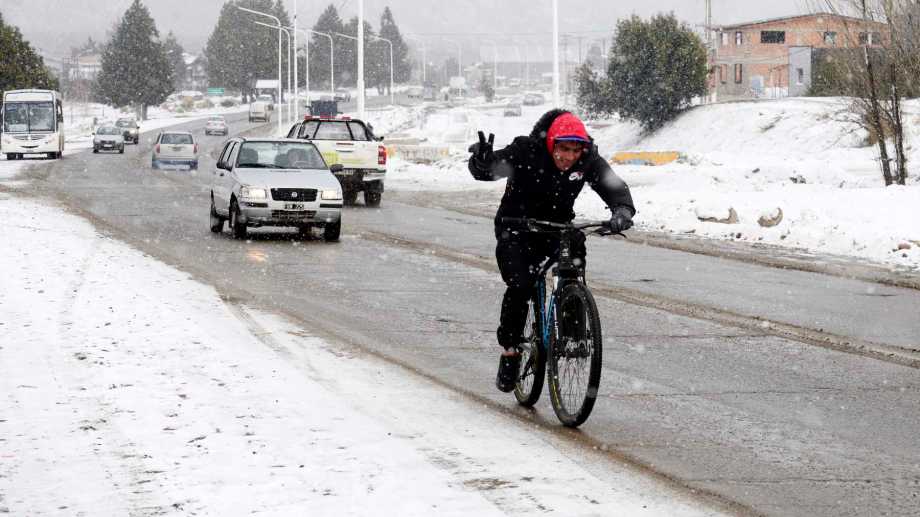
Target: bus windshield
[(28, 117)]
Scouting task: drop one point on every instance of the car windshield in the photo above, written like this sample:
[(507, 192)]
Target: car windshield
[(26, 117), (108, 130), (125, 123), (332, 130), (216, 119), (280, 155), (176, 139)]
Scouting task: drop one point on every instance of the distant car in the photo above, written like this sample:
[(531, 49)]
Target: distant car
[(175, 148), (430, 93), (259, 110), (342, 95), (534, 99), (513, 108), (415, 92), (275, 182), (108, 138), (216, 125), (129, 128)]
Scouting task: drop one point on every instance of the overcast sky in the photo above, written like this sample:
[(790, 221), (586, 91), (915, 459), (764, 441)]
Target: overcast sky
[(55, 25)]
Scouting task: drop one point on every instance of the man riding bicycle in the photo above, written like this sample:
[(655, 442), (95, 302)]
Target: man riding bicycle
[(546, 171)]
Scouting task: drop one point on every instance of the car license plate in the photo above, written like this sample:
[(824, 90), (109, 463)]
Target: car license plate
[(294, 206), (177, 148), (345, 173), (112, 145)]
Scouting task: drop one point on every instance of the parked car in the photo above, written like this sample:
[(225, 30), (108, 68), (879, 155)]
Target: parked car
[(351, 143), (259, 110), (130, 129), (108, 138), (342, 95), (513, 108), (175, 148), (275, 182), (216, 125)]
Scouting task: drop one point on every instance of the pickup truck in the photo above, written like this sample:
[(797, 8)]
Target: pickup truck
[(351, 143)]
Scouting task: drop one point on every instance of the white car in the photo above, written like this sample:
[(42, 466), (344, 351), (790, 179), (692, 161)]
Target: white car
[(175, 148), (109, 138), (216, 125), (275, 182)]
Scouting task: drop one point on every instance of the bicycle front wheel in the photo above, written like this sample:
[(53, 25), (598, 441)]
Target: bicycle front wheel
[(533, 360), (575, 355)]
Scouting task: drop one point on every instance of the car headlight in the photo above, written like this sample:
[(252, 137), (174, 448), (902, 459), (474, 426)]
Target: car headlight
[(331, 194), (253, 193)]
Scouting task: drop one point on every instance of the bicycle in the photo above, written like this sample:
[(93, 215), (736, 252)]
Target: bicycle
[(563, 329)]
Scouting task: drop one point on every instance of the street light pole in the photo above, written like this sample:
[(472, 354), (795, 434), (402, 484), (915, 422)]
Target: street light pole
[(361, 91), (424, 58), (296, 78), (556, 53), (391, 66), (288, 34), (278, 24)]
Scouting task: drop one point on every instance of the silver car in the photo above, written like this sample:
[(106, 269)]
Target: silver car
[(216, 125), (108, 138), (275, 182)]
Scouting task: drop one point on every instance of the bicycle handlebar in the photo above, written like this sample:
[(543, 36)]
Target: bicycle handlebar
[(530, 225)]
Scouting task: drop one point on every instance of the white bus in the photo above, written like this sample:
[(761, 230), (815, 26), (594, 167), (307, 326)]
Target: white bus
[(32, 123)]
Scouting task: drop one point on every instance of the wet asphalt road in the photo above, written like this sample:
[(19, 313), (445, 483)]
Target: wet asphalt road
[(744, 417)]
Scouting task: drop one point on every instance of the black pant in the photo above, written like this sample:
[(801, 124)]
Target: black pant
[(519, 256)]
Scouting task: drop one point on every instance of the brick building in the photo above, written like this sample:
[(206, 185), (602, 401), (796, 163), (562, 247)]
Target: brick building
[(773, 58)]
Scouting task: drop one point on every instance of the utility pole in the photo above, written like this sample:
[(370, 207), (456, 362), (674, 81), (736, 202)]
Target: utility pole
[(360, 59), (556, 102)]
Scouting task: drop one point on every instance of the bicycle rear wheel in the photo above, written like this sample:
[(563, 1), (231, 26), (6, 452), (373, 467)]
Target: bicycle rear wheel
[(533, 359), (575, 355)]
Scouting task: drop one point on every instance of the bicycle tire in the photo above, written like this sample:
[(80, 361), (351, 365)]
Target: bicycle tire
[(576, 344), (533, 360)]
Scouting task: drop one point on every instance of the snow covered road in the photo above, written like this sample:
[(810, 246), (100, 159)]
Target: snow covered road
[(130, 388)]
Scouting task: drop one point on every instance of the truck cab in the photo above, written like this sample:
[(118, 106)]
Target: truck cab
[(352, 144)]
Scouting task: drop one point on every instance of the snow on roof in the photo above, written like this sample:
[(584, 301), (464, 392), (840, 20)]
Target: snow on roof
[(795, 17), (266, 83)]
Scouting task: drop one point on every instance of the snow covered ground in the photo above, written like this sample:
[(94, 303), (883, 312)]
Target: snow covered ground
[(805, 157), (130, 388)]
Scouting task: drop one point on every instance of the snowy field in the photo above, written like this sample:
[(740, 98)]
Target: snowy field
[(137, 390), (802, 156)]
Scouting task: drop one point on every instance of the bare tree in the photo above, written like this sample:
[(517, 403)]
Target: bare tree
[(881, 73)]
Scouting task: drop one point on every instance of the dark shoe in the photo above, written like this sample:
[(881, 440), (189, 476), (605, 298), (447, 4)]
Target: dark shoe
[(509, 367)]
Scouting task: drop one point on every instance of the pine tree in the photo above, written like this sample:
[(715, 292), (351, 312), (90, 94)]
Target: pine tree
[(373, 63), (135, 68), (327, 23), (20, 66), (239, 51), (389, 30), (175, 55)]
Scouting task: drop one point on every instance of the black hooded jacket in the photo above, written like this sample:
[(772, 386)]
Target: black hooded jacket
[(539, 190)]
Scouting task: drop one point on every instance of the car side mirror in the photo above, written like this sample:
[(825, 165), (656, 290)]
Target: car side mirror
[(380, 139), (336, 167)]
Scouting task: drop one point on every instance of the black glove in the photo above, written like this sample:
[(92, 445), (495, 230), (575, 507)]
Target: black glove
[(482, 150), (621, 219)]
